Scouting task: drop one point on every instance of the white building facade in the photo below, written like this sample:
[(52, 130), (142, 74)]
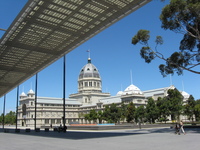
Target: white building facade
[(89, 96)]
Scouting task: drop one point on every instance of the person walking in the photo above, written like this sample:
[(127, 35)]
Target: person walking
[(177, 128), (181, 127)]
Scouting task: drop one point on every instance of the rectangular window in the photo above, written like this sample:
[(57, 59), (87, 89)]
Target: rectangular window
[(46, 121), (58, 121), (53, 121), (90, 84)]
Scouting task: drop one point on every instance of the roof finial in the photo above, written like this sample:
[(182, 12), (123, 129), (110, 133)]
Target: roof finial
[(89, 59)]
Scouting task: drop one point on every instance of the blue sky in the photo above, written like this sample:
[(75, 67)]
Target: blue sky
[(112, 53)]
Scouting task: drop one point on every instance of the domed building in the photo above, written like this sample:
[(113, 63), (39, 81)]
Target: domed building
[(89, 96), (132, 89), (133, 94), (89, 85), (89, 79)]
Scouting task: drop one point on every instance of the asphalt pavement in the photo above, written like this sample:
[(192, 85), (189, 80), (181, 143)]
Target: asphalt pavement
[(126, 139)]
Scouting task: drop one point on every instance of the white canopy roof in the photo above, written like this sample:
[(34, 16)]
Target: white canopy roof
[(46, 30)]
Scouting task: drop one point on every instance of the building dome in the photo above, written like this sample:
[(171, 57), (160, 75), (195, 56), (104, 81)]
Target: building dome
[(89, 70), (31, 92), (23, 94), (185, 94), (89, 79), (132, 89), (119, 93)]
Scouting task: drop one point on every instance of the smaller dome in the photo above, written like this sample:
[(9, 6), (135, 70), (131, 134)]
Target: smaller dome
[(132, 89), (23, 94), (119, 93), (31, 92), (185, 94)]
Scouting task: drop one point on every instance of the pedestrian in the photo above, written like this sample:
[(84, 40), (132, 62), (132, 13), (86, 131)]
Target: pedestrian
[(181, 126), (177, 128)]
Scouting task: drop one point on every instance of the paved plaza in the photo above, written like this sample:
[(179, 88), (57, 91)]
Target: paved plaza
[(144, 139)]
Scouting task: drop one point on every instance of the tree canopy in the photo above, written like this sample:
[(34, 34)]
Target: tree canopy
[(9, 118), (140, 114), (180, 16), (189, 107), (151, 111), (163, 108), (130, 112), (175, 103), (112, 113)]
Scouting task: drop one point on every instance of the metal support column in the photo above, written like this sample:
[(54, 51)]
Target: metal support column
[(64, 72), (4, 105), (17, 105), (36, 80)]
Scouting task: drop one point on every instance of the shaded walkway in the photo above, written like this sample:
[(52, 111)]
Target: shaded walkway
[(158, 138)]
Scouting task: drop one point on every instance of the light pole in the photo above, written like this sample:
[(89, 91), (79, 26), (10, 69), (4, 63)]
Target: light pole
[(36, 80), (4, 105), (64, 78), (17, 105)]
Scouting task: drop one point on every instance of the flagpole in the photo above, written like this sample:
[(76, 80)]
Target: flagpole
[(131, 77), (88, 53)]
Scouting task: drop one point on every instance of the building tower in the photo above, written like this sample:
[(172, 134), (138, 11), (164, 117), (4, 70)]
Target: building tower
[(89, 79), (89, 85)]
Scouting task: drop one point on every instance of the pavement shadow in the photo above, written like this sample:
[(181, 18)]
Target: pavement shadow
[(74, 135), (78, 135), (172, 130)]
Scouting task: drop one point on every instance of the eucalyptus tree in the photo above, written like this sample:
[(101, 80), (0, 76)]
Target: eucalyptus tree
[(183, 17)]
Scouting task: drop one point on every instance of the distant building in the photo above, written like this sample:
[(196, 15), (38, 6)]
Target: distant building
[(89, 96)]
